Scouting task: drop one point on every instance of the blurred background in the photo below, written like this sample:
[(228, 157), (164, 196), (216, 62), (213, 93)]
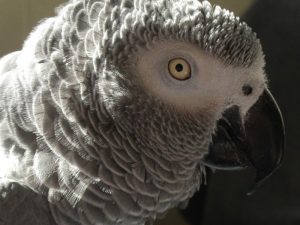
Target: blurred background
[(223, 201)]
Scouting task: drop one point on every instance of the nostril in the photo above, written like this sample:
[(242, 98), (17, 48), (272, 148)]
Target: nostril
[(247, 90)]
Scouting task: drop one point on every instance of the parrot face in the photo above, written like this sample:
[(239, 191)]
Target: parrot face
[(194, 84), (127, 102), (178, 115)]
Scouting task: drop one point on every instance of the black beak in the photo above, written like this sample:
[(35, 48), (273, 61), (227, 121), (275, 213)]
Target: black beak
[(257, 142)]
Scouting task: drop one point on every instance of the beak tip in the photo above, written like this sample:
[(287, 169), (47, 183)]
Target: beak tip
[(261, 177)]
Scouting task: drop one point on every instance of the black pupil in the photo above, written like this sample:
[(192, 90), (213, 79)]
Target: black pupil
[(179, 67)]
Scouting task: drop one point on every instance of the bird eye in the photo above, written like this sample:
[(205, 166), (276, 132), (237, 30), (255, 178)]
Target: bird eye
[(179, 69)]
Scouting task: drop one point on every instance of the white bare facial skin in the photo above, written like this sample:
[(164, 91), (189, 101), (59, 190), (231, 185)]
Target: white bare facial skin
[(212, 84)]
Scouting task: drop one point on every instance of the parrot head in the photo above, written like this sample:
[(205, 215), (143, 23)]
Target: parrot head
[(187, 82)]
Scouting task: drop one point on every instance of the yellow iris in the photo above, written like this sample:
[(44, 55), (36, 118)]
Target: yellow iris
[(179, 69)]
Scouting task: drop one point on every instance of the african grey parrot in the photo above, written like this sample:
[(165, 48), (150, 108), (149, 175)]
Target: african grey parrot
[(114, 108)]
